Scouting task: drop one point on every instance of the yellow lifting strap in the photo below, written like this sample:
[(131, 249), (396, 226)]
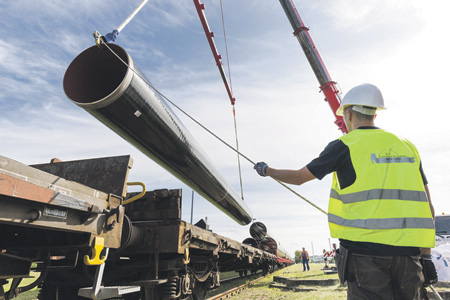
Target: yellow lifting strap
[(97, 248)]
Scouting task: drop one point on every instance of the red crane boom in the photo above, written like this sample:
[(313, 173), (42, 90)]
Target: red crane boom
[(217, 57), (327, 86)]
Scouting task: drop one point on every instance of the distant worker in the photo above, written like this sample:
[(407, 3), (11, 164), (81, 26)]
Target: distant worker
[(305, 259), (379, 207)]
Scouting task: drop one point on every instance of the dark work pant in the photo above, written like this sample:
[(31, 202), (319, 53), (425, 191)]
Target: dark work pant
[(383, 277), (307, 264)]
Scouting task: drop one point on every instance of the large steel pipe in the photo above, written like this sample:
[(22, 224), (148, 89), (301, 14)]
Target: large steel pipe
[(251, 242), (258, 231), (266, 241), (100, 83)]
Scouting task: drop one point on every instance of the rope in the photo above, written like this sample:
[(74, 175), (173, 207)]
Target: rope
[(234, 110), (131, 16), (226, 47), (238, 156), (206, 129)]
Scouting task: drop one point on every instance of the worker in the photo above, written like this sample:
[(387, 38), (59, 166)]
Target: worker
[(379, 207), (305, 259)]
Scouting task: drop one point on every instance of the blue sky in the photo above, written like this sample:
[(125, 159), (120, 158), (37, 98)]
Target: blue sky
[(400, 46)]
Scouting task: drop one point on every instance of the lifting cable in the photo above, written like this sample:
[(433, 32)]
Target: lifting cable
[(111, 37), (218, 58), (102, 43), (234, 110), (209, 35)]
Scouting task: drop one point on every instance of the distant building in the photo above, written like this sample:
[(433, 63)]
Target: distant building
[(316, 259)]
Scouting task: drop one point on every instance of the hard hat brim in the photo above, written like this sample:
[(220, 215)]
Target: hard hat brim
[(340, 111)]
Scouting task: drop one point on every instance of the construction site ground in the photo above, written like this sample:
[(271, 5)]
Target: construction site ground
[(314, 285), (268, 289)]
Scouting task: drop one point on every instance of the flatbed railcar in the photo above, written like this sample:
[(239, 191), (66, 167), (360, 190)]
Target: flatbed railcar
[(68, 222)]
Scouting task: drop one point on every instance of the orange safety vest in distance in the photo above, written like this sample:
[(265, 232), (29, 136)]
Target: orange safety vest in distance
[(387, 203), (307, 256)]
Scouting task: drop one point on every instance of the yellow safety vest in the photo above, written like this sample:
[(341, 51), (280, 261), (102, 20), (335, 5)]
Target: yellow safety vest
[(387, 203)]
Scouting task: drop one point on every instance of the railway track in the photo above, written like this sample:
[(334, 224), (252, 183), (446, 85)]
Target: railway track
[(236, 289)]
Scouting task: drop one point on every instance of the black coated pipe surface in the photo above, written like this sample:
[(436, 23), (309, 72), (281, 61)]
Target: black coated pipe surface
[(266, 241), (258, 231), (97, 81), (251, 242)]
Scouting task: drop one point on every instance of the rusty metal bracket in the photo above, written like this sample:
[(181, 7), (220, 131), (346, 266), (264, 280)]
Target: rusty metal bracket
[(187, 237), (223, 245), (117, 212)]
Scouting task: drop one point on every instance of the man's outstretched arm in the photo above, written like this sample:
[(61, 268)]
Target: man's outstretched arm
[(296, 177)]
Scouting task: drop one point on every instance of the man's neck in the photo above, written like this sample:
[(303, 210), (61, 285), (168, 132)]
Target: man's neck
[(358, 124)]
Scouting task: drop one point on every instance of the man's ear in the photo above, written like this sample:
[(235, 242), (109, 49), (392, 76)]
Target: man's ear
[(349, 114)]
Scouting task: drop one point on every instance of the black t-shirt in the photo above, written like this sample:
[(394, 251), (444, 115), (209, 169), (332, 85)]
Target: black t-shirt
[(336, 158)]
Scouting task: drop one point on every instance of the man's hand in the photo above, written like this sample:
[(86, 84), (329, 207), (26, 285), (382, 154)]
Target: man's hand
[(429, 270), (261, 168)]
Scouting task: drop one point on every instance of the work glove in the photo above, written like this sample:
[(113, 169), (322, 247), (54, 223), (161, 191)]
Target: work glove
[(261, 168), (429, 270), (111, 37)]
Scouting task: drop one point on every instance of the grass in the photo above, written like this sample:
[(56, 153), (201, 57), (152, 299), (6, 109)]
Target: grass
[(30, 295), (261, 290)]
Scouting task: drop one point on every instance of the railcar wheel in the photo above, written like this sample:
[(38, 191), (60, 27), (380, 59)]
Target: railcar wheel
[(151, 293), (199, 291), (134, 296), (265, 270)]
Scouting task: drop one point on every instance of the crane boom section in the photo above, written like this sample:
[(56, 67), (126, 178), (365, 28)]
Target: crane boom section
[(327, 86), (217, 57)]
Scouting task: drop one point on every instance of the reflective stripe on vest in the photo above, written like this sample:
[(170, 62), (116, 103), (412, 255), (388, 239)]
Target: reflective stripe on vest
[(389, 223), (380, 194), (387, 203)]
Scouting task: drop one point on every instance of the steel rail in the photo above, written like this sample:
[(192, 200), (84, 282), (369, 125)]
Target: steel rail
[(225, 295)]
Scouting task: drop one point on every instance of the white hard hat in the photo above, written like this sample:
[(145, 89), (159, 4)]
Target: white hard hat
[(365, 96)]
